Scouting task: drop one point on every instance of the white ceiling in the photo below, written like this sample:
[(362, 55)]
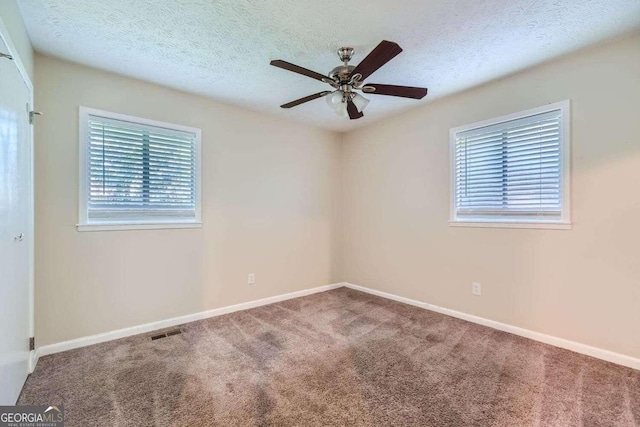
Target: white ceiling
[(222, 48)]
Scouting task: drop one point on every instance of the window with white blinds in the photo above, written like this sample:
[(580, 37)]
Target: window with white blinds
[(512, 169), (138, 171)]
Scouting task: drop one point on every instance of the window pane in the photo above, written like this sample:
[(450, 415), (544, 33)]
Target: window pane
[(510, 169), (139, 172)]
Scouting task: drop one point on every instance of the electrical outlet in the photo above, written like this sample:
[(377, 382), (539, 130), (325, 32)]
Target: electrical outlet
[(476, 288), (251, 279)]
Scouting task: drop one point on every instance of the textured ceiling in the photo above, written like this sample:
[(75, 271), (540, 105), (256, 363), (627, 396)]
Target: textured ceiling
[(222, 48)]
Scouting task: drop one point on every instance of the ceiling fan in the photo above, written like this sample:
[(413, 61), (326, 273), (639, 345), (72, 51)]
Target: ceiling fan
[(347, 79)]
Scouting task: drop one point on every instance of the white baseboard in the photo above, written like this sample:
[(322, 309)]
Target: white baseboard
[(34, 355), (168, 323), (596, 352)]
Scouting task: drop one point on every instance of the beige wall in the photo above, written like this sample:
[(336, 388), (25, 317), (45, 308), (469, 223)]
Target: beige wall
[(12, 19), (583, 284), (271, 193)]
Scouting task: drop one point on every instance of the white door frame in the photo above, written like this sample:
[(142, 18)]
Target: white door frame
[(4, 34)]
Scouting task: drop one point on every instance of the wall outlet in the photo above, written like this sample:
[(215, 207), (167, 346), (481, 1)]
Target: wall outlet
[(251, 278), (476, 288)]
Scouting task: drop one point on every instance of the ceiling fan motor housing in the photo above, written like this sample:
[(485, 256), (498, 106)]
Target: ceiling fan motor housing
[(341, 73)]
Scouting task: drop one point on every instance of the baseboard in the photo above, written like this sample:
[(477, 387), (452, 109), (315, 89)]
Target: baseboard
[(34, 355), (168, 323), (596, 352)]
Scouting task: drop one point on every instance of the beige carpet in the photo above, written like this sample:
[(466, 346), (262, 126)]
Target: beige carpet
[(340, 358)]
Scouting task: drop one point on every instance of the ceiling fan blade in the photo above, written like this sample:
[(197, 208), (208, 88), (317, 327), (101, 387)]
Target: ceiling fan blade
[(297, 69), (353, 110), (379, 56), (393, 90), (306, 99)]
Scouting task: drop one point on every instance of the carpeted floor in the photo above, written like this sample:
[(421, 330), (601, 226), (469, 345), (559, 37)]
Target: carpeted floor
[(337, 358)]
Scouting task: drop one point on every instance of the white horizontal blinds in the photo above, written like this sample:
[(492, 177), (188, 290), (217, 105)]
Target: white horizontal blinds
[(140, 173), (510, 169)]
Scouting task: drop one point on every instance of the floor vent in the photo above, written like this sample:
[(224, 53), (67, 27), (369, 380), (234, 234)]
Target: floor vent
[(166, 334)]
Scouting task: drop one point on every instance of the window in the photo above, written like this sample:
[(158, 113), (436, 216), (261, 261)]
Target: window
[(512, 171), (137, 173)]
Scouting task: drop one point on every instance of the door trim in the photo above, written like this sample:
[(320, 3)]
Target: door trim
[(4, 35)]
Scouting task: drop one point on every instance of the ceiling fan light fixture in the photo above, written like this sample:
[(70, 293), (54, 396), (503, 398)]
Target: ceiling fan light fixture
[(344, 113), (334, 98), (360, 102), (340, 109)]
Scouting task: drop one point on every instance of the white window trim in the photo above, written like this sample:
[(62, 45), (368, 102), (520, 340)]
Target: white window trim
[(565, 219), (84, 224)]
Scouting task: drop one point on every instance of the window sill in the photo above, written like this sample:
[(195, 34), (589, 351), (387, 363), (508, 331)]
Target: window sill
[(137, 226), (514, 224)]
